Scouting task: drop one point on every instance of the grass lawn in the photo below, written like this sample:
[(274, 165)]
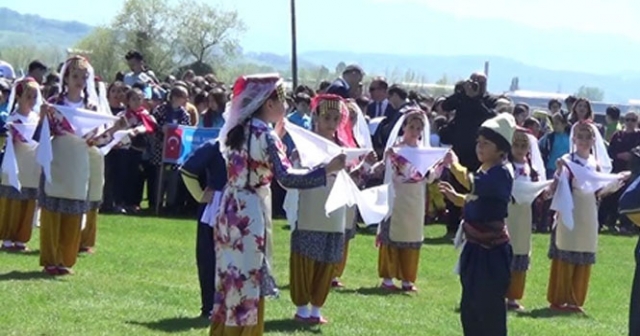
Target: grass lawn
[(142, 281)]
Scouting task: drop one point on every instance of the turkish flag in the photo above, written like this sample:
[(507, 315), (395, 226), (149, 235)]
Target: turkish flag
[(172, 144)]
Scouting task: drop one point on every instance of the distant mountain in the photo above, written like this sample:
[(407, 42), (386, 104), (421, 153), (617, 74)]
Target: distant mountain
[(25, 29), (618, 88)]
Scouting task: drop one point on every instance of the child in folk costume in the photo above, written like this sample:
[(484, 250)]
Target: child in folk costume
[(96, 173), (138, 121), (400, 237), (242, 232), (19, 188), (205, 167), (485, 261), (574, 239), (630, 206), (528, 167), (359, 175), (64, 190), (318, 241)]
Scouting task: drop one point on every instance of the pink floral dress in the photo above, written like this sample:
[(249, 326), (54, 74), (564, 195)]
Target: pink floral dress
[(242, 233)]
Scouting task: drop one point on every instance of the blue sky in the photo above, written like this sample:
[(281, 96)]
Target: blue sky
[(535, 32)]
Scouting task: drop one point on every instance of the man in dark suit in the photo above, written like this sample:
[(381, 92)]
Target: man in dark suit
[(397, 100), (472, 105), (379, 106), (350, 84)]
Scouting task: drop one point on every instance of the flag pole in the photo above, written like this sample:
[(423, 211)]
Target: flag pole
[(294, 47)]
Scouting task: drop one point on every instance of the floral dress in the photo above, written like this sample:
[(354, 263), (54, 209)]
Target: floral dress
[(242, 233)]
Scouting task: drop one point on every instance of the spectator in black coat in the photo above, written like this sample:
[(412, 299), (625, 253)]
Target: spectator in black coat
[(397, 100), (472, 105), (350, 84)]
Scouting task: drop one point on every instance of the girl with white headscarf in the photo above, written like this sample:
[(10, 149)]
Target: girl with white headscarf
[(66, 155), (400, 237), (359, 175), (20, 173), (574, 239), (528, 168), (242, 231)]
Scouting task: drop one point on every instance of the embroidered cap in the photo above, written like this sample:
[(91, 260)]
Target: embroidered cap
[(500, 129), (249, 93), (323, 103)]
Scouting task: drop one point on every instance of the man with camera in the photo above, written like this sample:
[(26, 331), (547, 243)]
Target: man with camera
[(472, 105)]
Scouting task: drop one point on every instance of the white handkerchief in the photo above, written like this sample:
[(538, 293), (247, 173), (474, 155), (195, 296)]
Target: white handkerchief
[(525, 192), (84, 121), (422, 158), (585, 180), (10, 163), (563, 200), (341, 194), (26, 131), (290, 207), (117, 138), (315, 150), (44, 153), (373, 204), (211, 210), (591, 181)]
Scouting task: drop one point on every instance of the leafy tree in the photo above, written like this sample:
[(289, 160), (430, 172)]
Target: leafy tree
[(169, 36), (21, 55), (590, 92), (205, 31), (107, 54), (149, 26)]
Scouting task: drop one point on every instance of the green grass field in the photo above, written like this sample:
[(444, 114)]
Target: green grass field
[(142, 281)]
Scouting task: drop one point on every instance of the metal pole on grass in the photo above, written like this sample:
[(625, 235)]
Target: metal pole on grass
[(294, 47)]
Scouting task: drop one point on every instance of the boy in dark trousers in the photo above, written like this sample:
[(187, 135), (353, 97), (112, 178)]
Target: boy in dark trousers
[(485, 261), (630, 207), (205, 168)]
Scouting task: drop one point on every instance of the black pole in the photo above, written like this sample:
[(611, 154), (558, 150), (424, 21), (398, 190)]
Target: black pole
[(294, 49)]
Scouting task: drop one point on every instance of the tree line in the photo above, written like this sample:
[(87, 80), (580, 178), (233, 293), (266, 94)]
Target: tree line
[(194, 35)]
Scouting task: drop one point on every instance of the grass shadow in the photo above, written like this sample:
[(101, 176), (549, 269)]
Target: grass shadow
[(628, 234), (443, 240), (285, 287), (370, 291), (371, 230), (27, 253), (175, 324), (25, 276), (289, 326), (546, 312)]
